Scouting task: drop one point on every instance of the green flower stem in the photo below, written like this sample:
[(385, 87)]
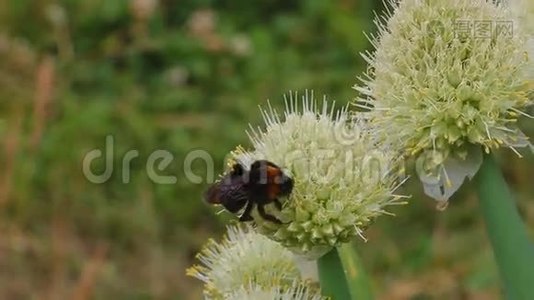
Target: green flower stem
[(357, 279), (332, 277), (509, 238)]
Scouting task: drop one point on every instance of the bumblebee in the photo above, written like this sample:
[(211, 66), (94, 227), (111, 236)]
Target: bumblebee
[(262, 184)]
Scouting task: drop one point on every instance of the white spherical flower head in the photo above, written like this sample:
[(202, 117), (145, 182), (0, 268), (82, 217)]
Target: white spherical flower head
[(447, 76), (342, 179), (242, 258), (297, 291)]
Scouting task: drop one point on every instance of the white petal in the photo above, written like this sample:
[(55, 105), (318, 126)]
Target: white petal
[(447, 178)]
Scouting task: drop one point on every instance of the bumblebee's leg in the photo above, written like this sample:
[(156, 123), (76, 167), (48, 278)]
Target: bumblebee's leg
[(278, 204), (263, 214), (245, 217)]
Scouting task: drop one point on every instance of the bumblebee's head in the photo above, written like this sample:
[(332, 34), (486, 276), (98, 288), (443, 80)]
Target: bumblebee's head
[(286, 184)]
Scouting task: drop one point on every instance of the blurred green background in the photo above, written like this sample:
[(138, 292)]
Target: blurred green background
[(182, 76)]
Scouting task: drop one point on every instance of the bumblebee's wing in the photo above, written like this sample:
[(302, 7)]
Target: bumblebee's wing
[(230, 193), (211, 196), (233, 196)]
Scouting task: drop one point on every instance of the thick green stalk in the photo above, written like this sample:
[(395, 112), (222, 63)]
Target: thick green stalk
[(357, 279), (513, 250), (332, 277)]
